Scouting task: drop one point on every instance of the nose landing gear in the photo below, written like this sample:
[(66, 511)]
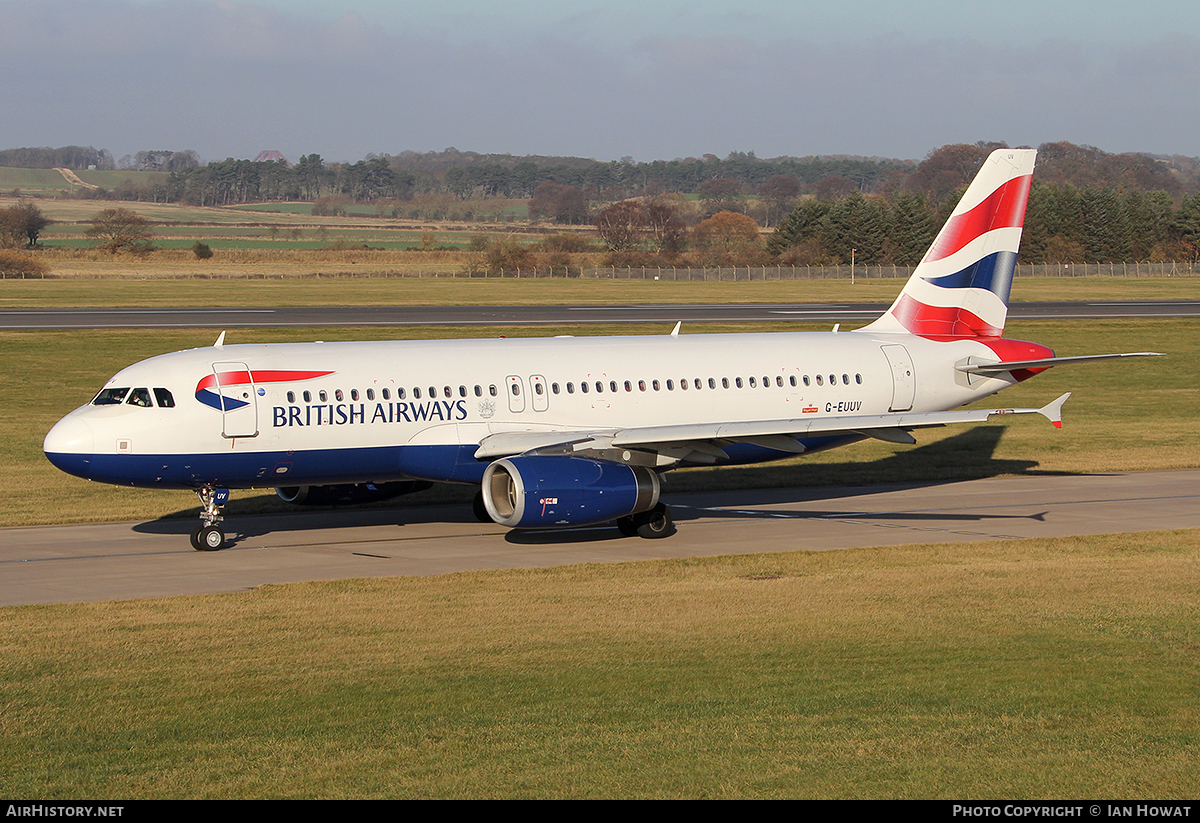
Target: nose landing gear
[(208, 536)]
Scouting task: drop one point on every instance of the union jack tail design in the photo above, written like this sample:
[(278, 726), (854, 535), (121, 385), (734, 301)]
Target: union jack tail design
[(961, 287)]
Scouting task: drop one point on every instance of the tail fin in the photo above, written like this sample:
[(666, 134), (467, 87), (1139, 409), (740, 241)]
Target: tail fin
[(961, 287)]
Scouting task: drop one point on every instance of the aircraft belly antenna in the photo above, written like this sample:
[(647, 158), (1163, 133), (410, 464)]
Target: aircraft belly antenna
[(675, 331), (220, 341)]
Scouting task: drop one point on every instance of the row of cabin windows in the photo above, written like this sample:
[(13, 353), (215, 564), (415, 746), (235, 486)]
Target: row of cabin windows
[(584, 387), (699, 383), (135, 397), (386, 394)]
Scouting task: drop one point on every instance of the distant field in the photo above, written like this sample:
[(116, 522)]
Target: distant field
[(32, 181), (44, 181)]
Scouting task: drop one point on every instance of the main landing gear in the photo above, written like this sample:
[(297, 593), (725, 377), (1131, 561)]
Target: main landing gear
[(208, 536), (651, 524)]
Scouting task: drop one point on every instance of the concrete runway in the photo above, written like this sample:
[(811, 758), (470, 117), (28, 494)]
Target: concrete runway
[(304, 316), (57, 564)]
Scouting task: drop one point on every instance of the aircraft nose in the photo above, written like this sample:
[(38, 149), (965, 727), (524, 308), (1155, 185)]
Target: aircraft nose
[(70, 445)]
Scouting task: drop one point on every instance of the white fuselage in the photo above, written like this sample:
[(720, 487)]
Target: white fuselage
[(371, 411)]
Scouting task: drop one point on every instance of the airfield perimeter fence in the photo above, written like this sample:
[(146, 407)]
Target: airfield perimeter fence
[(753, 273), (724, 274)]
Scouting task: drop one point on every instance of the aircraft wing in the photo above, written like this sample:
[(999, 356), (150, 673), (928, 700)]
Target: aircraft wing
[(702, 442)]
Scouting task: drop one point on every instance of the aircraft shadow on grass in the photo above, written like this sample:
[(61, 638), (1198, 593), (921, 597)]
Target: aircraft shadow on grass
[(969, 454)]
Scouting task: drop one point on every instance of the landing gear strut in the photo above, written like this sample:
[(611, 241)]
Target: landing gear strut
[(651, 524), (208, 536)]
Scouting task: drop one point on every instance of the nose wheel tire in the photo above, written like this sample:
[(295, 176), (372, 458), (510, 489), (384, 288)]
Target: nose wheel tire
[(208, 539)]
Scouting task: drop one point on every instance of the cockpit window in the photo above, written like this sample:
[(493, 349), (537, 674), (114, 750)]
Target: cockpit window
[(110, 397), (164, 398), (140, 397)]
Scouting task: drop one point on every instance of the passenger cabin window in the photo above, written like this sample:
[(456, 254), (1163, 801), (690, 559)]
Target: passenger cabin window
[(166, 401), (110, 397), (290, 395), (308, 397)]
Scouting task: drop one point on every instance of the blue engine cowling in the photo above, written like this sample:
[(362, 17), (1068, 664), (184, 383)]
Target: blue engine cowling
[(535, 492)]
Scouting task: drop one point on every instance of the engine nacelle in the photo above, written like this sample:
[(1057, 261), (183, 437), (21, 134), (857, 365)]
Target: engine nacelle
[(348, 492), (536, 492)]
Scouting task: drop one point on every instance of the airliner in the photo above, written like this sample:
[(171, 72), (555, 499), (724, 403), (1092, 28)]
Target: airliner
[(566, 432)]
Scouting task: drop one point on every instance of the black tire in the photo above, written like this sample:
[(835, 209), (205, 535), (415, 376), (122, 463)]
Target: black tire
[(656, 523), (480, 510), (627, 526), (208, 539)]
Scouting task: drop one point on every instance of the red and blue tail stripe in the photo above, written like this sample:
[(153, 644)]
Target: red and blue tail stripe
[(962, 285)]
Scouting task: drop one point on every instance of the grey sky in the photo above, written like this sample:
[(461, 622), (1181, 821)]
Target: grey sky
[(654, 80)]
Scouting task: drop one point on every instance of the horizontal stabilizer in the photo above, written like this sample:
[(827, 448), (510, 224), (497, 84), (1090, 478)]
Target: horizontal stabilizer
[(1046, 362)]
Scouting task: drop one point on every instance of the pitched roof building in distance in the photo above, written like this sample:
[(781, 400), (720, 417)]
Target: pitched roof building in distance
[(271, 154)]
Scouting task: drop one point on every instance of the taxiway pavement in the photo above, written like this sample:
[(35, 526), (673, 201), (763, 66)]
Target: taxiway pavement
[(113, 561), (305, 316)]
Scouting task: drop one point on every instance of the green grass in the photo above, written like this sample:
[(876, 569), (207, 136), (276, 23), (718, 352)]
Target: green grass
[(30, 181), (44, 181), (1009, 670), (1123, 416)]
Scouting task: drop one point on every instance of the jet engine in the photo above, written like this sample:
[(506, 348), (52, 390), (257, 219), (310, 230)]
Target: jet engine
[(535, 491)]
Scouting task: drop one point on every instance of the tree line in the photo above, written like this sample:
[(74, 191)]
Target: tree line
[(1086, 204)]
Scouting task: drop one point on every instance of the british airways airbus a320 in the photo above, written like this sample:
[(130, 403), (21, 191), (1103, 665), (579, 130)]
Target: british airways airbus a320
[(567, 432)]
